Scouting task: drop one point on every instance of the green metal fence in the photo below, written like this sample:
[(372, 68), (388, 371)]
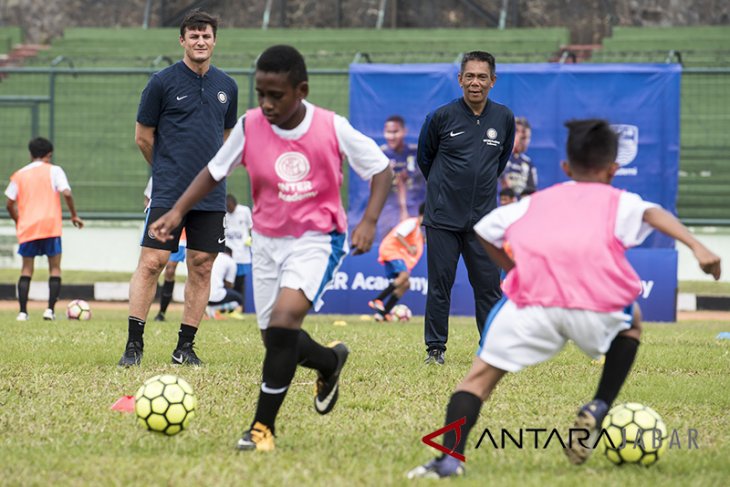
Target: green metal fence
[(704, 176), (89, 114)]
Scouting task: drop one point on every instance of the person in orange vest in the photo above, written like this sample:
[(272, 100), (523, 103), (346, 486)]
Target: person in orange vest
[(399, 252), (35, 207)]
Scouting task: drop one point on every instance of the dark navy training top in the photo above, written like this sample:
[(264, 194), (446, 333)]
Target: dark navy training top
[(462, 155), (190, 113)]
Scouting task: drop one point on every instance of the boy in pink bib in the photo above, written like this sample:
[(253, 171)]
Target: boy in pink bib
[(568, 278), (293, 152)]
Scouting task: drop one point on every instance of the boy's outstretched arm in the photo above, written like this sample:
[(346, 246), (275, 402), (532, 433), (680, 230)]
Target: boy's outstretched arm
[(201, 186), (667, 223), (75, 219), (364, 233)]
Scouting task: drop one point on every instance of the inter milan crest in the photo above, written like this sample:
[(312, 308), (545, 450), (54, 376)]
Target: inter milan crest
[(292, 167)]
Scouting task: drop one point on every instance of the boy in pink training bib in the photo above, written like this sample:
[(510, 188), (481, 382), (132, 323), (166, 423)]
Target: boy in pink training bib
[(293, 152), (568, 278)]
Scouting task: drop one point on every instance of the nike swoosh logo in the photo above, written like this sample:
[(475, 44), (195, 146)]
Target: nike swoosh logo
[(221, 240), (178, 359), (322, 405), (181, 97), (454, 134)]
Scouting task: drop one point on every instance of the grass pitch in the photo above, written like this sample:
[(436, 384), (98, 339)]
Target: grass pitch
[(59, 379)]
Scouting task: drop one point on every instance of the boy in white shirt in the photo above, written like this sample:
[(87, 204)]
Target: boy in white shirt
[(222, 295)]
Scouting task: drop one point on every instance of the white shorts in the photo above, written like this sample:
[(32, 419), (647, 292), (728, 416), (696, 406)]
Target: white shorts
[(307, 263), (515, 338)]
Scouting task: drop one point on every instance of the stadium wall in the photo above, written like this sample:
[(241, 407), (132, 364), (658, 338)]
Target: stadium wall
[(589, 20)]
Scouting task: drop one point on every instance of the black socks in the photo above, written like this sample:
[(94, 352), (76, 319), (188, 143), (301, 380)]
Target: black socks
[(391, 303), (619, 359), (135, 330), (54, 289), (23, 289), (386, 292), (312, 355), (462, 404), (186, 334), (280, 364), (166, 295)]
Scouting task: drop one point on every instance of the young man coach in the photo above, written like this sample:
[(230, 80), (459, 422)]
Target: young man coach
[(185, 114)]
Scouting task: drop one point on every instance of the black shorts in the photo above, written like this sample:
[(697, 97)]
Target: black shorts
[(205, 231)]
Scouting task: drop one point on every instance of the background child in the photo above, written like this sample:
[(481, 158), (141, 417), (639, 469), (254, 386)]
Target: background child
[(399, 252), (35, 207), (238, 238), (568, 278), (224, 298), (507, 196)]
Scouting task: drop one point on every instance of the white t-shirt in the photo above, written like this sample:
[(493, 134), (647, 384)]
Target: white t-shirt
[(224, 269), (238, 230), (363, 154), (148, 193), (59, 182), (148, 189), (630, 227), (405, 227)]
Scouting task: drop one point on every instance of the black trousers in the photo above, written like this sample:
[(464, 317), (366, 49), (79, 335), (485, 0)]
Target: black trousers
[(443, 251)]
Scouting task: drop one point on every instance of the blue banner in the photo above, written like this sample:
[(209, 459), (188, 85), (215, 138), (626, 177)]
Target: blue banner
[(641, 101), (361, 278), (657, 269)]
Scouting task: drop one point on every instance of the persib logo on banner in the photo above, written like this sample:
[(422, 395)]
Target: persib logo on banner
[(628, 147)]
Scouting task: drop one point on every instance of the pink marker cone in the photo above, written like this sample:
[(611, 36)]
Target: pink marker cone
[(124, 404)]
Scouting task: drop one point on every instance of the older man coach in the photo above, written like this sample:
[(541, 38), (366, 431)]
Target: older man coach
[(463, 147)]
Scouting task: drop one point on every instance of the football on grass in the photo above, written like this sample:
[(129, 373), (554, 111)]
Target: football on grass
[(78, 309), (165, 404), (401, 312), (635, 434)]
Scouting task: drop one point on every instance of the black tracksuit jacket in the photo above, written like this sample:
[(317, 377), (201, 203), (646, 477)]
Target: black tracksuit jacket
[(461, 156)]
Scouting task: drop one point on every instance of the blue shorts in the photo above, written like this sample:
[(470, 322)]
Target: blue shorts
[(44, 246), (243, 269), (394, 267), (178, 256)]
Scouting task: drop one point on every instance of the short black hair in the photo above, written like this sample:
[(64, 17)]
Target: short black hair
[(228, 250), (396, 119), (283, 59), (40, 147), (509, 192), (482, 56), (198, 20), (592, 143), (527, 192), (231, 198)]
